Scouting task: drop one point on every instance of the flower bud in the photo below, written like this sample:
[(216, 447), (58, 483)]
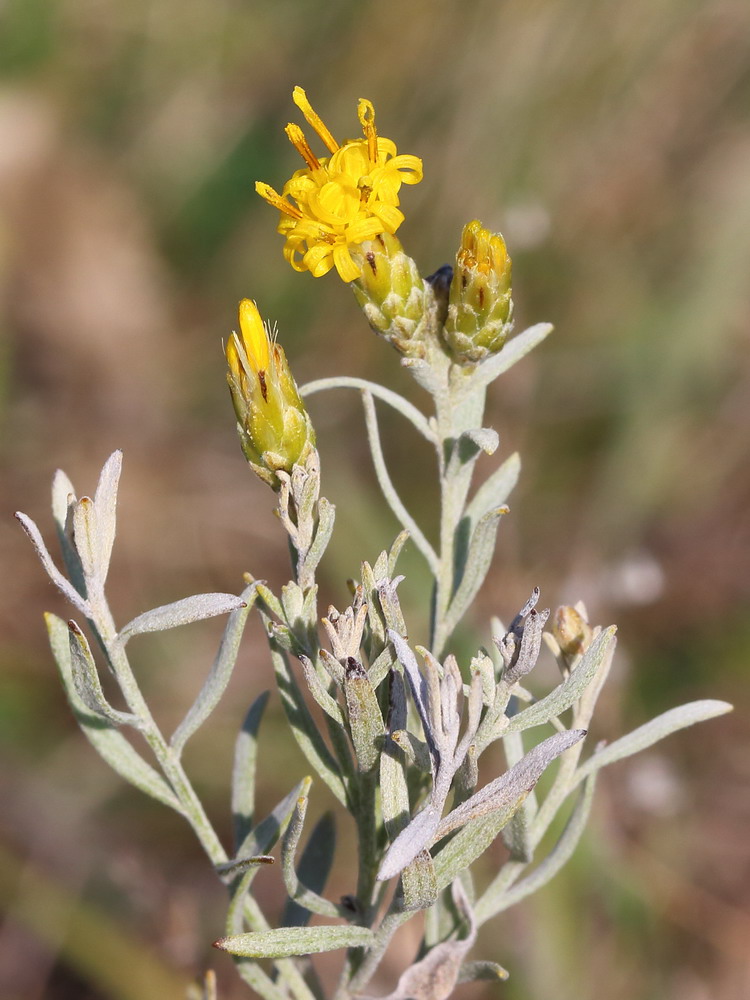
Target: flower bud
[(480, 307), (572, 632), (396, 300), (274, 427)]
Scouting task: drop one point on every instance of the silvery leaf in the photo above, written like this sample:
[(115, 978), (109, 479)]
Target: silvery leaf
[(420, 833), (495, 490), (511, 353), (87, 683), (183, 612), (418, 883), (51, 570), (326, 519), (86, 541), (297, 890), (105, 505), (572, 688), (221, 671), (63, 501), (436, 975), (516, 832), (284, 942), (476, 565), (313, 868), (394, 793), (106, 740), (302, 724), (244, 769), (493, 903), (653, 731), (365, 720), (418, 687), (262, 838), (512, 787)]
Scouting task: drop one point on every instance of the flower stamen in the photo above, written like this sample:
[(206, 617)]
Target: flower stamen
[(275, 199), (366, 115), (298, 140), (313, 119)]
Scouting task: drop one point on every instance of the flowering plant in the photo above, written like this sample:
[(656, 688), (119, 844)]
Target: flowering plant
[(396, 741)]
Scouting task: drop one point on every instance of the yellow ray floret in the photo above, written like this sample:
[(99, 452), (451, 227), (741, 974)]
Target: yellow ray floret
[(339, 201)]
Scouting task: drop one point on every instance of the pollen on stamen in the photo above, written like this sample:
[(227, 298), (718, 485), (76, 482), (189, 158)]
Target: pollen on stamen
[(313, 119), (366, 115), (298, 140), (275, 199)]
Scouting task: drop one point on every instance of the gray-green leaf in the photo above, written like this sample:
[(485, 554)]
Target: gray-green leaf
[(572, 688), (287, 941), (221, 671), (653, 731), (87, 683), (106, 740), (189, 609)]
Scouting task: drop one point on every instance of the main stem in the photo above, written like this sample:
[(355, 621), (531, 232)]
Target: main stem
[(456, 411)]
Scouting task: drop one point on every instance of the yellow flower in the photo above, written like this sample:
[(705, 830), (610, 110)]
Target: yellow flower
[(339, 201), (275, 430)]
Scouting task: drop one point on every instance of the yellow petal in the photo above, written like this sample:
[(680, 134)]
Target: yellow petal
[(254, 335)]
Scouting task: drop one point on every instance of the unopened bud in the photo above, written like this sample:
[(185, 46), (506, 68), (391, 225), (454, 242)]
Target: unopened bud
[(275, 430), (572, 632), (394, 297), (480, 307)]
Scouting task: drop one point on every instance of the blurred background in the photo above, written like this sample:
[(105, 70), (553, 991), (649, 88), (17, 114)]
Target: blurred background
[(610, 143)]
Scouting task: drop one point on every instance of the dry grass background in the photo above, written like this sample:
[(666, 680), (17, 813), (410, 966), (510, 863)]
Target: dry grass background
[(610, 143)]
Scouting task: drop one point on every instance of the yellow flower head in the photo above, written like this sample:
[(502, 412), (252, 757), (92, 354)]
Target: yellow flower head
[(339, 201), (275, 430)]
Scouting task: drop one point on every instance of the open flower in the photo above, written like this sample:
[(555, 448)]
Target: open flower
[(339, 201), (275, 430)]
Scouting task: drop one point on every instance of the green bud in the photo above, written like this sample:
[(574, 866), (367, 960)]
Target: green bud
[(397, 301), (274, 427), (480, 307)]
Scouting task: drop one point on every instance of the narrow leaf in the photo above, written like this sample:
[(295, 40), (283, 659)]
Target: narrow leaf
[(244, 769), (419, 883), (63, 585), (297, 891), (106, 740), (87, 683), (394, 792), (511, 353), (513, 786), (326, 519), (303, 727), (86, 541), (287, 941), (265, 835), (105, 504), (653, 731), (495, 490), (189, 609), (313, 868), (63, 501), (221, 671), (491, 904), (477, 563), (365, 720), (420, 833), (572, 688)]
